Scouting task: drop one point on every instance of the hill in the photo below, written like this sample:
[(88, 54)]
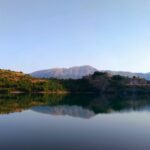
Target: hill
[(18, 82)]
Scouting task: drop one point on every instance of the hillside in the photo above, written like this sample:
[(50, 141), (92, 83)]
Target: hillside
[(99, 82), (16, 82), (108, 83), (13, 76)]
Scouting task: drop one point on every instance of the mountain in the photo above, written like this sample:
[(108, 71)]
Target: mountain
[(144, 75), (80, 71), (65, 73), (130, 74)]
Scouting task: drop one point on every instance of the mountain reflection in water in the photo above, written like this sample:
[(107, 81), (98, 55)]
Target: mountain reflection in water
[(76, 122), (84, 106), (73, 111)]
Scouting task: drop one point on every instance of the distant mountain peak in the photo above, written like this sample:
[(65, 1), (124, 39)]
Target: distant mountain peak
[(75, 72)]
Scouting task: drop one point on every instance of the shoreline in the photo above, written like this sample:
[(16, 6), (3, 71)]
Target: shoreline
[(126, 92), (51, 92)]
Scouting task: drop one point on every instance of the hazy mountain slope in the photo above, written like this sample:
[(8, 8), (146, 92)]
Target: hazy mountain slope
[(144, 75), (130, 74), (65, 73)]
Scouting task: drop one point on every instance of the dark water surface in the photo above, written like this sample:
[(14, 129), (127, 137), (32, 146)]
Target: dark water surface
[(74, 122)]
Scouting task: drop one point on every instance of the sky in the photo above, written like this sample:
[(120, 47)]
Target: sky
[(106, 34)]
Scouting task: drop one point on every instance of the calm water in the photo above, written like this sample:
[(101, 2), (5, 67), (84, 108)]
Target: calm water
[(75, 122)]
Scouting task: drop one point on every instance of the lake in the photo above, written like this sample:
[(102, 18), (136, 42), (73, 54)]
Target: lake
[(74, 122)]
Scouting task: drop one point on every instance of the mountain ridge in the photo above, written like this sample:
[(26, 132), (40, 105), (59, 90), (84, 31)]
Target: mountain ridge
[(77, 72)]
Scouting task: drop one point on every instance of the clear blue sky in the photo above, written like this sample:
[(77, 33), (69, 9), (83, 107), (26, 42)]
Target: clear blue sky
[(106, 34)]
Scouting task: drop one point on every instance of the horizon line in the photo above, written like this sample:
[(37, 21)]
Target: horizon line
[(17, 70)]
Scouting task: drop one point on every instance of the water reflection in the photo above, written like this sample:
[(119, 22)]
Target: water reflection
[(84, 106), (92, 123), (73, 111)]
